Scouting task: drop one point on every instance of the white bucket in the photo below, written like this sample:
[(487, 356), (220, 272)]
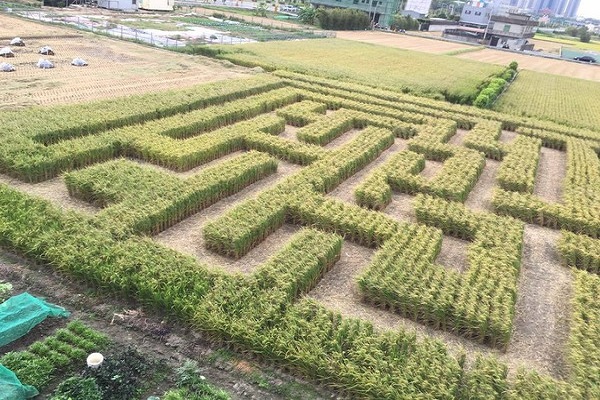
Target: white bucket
[(94, 360)]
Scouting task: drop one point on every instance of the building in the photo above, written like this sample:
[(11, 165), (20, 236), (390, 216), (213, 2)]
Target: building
[(157, 5), (496, 25), (511, 29), (123, 5), (420, 7), (380, 11)]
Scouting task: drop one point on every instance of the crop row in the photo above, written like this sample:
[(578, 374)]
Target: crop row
[(484, 137), (325, 129), (247, 312), (580, 211), (147, 201), (375, 191), (465, 116), (45, 359), (63, 122), (584, 339), (580, 251), (518, 169), (246, 225)]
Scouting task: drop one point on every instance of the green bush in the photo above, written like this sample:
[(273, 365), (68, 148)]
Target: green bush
[(342, 19)]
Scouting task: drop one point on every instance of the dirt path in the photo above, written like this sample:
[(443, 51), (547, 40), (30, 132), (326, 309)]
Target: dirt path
[(459, 137), (431, 169), (542, 311), (480, 198), (507, 136), (401, 208), (345, 191), (551, 173), (453, 254), (341, 140), (54, 191), (187, 236)]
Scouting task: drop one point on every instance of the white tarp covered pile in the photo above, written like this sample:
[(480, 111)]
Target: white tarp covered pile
[(79, 62), (6, 52), (17, 42), (6, 67), (44, 64), (46, 50)]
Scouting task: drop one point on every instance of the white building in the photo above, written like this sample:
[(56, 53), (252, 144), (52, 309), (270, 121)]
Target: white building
[(418, 6), (125, 5)]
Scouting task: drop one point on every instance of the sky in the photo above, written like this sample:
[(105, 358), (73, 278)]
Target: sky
[(589, 8)]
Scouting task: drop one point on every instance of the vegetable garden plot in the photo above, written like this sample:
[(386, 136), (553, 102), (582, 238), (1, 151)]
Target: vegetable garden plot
[(266, 311)]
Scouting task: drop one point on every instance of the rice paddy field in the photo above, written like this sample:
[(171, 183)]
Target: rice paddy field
[(573, 102), (380, 244), (384, 67)]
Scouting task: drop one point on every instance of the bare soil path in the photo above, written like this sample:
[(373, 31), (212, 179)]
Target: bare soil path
[(345, 191), (53, 190), (551, 173), (480, 198), (187, 236), (542, 310)]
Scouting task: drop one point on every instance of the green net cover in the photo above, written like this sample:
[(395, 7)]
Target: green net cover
[(11, 388), (19, 314)]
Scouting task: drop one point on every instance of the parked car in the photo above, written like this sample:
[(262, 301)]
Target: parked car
[(585, 59)]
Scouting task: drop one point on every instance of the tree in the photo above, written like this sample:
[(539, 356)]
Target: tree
[(307, 15), (585, 37)]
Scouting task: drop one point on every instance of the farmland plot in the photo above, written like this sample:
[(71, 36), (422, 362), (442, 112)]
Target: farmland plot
[(140, 69), (311, 236), (565, 100)]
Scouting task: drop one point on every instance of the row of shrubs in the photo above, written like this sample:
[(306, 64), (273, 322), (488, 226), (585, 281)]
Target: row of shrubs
[(494, 87)]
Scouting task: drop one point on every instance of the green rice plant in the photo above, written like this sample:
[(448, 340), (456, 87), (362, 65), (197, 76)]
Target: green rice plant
[(431, 141), (518, 169), (181, 126), (376, 191), (484, 137), (245, 226), (65, 122), (302, 113), (580, 251), (530, 385), (580, 211), (487, 379), (144, 200), (584, 352), (459, 173), (291, 151)]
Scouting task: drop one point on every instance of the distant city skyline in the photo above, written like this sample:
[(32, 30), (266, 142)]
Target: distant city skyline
[(589, 8)]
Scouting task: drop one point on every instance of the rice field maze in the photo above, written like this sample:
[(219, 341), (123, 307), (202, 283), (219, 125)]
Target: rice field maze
[(385, 245)]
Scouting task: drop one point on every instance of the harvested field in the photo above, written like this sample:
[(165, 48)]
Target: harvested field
[(401, 41), (140, 69), (537, 64)]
